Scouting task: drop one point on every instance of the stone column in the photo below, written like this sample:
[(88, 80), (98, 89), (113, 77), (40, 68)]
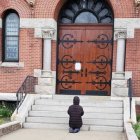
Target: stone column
[(119, 78), (121, 36), (48, 35)]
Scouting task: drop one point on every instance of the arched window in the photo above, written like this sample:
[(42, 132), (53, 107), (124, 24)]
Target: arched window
[(11, 37), (86, 11)]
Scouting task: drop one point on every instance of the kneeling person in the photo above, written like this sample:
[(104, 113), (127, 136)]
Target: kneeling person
[(75, 112)]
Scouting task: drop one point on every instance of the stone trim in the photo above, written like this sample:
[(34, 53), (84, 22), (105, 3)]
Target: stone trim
[(9, 127), (127, 75), (12, 64), (31, 23), (48, 33), (120, 33), (8, 97), (38, 23), (24, 108), (130, 134), (130, 24)]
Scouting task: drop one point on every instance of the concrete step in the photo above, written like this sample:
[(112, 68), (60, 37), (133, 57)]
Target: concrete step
[(53, 102), (86, 109), (82, 97), (65, 126), (86, 115), (55, 120), (51, 126), (106, 128)]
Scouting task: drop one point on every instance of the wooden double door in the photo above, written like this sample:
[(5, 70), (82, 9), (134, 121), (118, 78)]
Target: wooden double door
[(84, 62)]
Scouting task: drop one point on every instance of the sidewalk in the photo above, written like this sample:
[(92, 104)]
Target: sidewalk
[(45, 134)]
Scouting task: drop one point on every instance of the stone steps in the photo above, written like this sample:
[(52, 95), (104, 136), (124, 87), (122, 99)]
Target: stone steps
[(86, 109), (66, 127), (86, 115), (104, 122), (101, 114), (53, 102)]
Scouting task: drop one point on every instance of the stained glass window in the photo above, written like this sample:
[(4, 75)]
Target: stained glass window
[(86, 11), (11, 37)]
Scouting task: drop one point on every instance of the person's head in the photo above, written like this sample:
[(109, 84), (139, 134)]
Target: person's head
[(76, 100)]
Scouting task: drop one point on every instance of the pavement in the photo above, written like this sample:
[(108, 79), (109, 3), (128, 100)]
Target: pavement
[(47, 134)]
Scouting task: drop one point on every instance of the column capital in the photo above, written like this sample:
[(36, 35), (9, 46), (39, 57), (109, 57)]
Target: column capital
[(120, 33), (48, 33)]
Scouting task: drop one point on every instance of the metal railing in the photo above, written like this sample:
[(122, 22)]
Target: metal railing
[(130, 94), (27, 87)]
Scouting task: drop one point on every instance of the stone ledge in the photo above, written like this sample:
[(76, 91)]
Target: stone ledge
[(8, 97), (12, 64), (9, 127), (130, 134)]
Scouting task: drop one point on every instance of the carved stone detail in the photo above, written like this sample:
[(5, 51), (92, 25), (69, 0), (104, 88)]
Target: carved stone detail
[(121, 33), (137, 6), (48, 33), (31, 2)]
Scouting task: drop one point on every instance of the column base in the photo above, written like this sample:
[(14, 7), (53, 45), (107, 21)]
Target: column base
[(119, 87), (46, 81), (119, 75)]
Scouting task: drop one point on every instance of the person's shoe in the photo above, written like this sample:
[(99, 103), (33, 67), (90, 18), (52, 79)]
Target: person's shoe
[(71, 130), (76, 130)]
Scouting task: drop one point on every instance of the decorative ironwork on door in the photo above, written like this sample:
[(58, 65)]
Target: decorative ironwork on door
[(93, 53)]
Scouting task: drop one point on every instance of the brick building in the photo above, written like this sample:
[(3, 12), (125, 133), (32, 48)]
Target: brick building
[(47, 38)]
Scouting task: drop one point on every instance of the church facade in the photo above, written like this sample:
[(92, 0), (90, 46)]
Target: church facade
[(88, 47)]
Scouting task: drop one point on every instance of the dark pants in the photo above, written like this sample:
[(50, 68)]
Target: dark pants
[(74, 130)]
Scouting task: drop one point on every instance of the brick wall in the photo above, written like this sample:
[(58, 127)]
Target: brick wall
[(20, 6), (50, 8), (133, 60), (31, 48), (138, 109), (54, 55), (30, 53), (114, 56)]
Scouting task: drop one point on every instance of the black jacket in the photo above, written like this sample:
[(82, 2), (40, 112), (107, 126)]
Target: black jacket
[(75, 112)]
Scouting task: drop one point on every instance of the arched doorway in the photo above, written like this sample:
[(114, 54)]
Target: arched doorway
[(85, 48)]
